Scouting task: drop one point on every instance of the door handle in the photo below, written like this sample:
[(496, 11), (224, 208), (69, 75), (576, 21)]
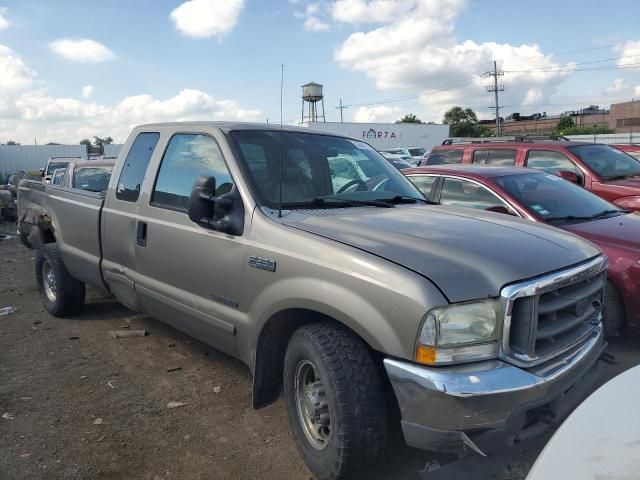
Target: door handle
[(141, 235)]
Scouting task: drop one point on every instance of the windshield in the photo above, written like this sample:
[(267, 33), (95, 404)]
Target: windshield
[(94, 179), (417, 152), (316, 166), (53, 166), (607, 161), (554, 199)]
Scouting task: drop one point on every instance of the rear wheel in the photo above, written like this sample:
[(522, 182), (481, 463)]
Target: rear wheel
[(334, 400), (614, 315), (61, 294)]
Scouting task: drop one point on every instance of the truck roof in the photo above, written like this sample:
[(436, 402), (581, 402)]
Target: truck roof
[(229, 126)]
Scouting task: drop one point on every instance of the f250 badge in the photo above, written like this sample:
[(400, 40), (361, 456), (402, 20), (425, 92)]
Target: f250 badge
[(262, 263)]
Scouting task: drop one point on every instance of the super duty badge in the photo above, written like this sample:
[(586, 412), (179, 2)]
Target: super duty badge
[(262, 263)]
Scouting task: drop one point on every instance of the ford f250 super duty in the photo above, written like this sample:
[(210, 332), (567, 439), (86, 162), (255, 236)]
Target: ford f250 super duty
[(352, 295)]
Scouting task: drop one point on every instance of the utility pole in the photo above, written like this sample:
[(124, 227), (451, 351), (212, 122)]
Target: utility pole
[(341, 108), (495, 88)]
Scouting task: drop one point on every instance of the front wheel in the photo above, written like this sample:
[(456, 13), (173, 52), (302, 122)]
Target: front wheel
[(334, 400), (61, 294)]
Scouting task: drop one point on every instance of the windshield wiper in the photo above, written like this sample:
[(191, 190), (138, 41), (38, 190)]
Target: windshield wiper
[(567, 217), (406, 199), (585, 218), (608, 212)]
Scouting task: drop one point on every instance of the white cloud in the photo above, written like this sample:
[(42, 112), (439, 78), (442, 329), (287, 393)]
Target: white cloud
[(371, 11), (629, 54), (82, 50), (27, 113), (379, 113), (14, 74), (4, 23), (87, 91), (618, 86), (313, 13), (207, 18), (314, 24), (533, 96), (415, 49)]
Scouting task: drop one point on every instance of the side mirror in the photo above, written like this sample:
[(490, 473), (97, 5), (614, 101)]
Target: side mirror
[(204, 205), (499, 209), (568, 176), (42, 172)]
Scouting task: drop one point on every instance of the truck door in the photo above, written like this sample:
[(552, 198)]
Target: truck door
[(119, 219), (186, 275)]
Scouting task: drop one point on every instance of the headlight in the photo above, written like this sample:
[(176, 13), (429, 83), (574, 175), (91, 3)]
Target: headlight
[(460, 332)]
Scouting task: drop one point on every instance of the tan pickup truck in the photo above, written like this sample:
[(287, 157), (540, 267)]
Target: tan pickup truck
[(340, 286)]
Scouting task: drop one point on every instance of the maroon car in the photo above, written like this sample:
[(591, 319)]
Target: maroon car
[(601, 169), (543, 197)]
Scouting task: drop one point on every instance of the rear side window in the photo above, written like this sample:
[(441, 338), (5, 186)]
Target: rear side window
[(425, 184), (135, 166), (495, 157), (444, 157), (189, 156), (549, 161)]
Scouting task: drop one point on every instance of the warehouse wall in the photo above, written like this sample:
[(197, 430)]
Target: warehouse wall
[(14, 158)]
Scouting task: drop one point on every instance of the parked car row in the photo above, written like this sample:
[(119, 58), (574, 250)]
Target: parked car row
[(601, 169), (319, 264)]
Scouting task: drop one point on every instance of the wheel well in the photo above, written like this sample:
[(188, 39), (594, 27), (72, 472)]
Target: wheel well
[(47, 236), (271, 348)]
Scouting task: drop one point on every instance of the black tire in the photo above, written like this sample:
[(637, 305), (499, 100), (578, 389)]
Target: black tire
[(352, 392), (61, 294), (613, 312)]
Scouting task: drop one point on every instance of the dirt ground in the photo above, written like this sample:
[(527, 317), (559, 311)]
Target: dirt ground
[(77, 404)]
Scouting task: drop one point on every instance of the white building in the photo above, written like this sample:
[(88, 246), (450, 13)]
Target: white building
[(388, 135)]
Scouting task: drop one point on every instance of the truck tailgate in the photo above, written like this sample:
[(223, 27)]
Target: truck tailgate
[(75, 217)]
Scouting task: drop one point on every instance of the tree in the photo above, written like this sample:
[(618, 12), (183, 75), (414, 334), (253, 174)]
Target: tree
[(565, 124), (587, 130), (464, 123), (409, 118), (102, 141), (11, 142), (85, 141), (53, 143)]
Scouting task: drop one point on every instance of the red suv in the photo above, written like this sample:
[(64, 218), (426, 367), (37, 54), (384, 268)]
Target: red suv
[(601, 169)]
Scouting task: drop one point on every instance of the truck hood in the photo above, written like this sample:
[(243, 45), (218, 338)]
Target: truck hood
[(622, 231), (468, 254)]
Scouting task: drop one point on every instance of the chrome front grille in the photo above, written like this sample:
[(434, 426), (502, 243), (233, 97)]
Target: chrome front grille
[(552, 314)]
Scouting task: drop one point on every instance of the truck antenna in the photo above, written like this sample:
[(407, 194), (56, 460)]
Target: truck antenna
[(281, 172)]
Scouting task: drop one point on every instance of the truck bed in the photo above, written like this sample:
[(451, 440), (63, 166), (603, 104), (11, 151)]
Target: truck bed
[(72, 217)]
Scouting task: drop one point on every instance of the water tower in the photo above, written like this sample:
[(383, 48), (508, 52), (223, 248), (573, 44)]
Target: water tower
[(311, 95)]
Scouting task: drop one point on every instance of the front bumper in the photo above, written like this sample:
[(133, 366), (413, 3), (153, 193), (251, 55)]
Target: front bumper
[(488, 405)]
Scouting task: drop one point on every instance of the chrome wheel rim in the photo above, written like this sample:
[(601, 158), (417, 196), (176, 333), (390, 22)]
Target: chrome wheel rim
[(312, 405), (49, 281)]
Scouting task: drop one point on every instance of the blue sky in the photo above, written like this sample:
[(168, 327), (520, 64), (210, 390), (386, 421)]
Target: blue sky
[(227, 64)]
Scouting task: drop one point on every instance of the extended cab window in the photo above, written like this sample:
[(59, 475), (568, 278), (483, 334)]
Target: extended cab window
[(495, 157), (189, 156), (444, 157), (550, 161), (135, 166), (462, 193), (425, 183)]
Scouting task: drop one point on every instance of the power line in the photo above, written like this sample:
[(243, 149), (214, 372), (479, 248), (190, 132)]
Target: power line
[(403, 98)]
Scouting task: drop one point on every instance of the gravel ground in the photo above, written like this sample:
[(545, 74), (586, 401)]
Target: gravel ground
[(77, 404)]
